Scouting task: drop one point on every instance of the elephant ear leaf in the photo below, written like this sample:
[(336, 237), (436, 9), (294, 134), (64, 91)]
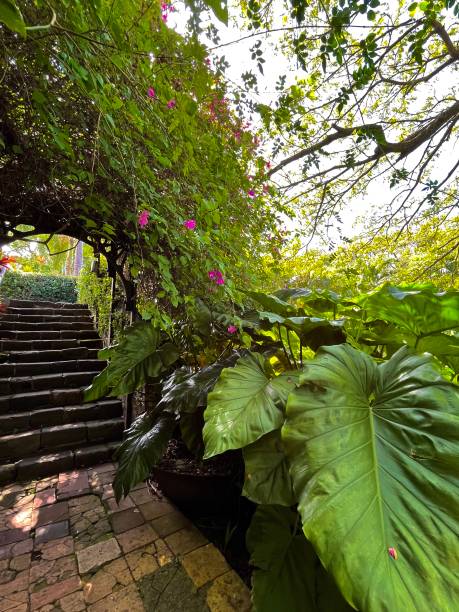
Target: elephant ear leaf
[(136, 358), (373, 456), (244, 405), (287, 573)]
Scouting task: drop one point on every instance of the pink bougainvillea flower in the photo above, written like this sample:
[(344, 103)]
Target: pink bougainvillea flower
[(268, 164), (393, 553), (143, 218), (217, 276), (164, 17), (151, 93), (190, 224), (265, 188), (251, 193), (207, 61), (232, 329), (171, 104)]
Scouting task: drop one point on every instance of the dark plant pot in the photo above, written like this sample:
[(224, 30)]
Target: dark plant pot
[(209, 492)]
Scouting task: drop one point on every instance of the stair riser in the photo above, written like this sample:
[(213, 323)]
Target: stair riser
[(45, 304), (61, 461), (44, 345), (68, 380), (46, 318), (22, 445), (18, 326), (24, 402), (52, 355), (68, 312), (49, 335), (8, 370)]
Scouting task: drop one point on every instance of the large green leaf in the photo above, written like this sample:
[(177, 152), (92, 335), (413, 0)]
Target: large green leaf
[(267, 479), (219, 8), (135, 359), (272, 303), (145, 444), (320, 300), (420, 309), (287, 574), (244, 405), (11, 16), (373, 454)]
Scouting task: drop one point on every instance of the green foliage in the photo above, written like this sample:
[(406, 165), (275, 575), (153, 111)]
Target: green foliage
[(38, 287), (369, 438), (11, 16), (372, 454), (140, 355), (288, 574), (121, 116), (95, 291), (245, 404), (144, 445)]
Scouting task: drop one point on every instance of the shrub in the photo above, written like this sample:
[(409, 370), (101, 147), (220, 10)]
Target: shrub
[(21, 286), (96, 293)]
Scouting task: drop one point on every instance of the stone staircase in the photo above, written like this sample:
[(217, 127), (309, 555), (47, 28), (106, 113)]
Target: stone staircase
[(48, 355)]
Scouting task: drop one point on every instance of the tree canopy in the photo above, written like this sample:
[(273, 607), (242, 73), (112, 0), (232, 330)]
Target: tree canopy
[(373, 98), (114, 130)]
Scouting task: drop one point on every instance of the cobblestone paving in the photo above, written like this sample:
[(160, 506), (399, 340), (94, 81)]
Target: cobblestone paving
[(65, 544)]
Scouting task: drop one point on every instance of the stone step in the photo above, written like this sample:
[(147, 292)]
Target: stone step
[(37, 318), (60, 415), (43, 345), (60, 437), (68, 334), (51, 367), (68, 312), (39, 382), (40, 466), (19, 326), (44, 304), (81, 352), (49, 398)]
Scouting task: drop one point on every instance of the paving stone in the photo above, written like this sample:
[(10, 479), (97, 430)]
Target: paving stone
[(73, 602), (185, 540), (16, 601), (53, 531), (45, 498), (9, 536), (55, 549), (163, 553), (72, 483), (204, 564), (6, 576), (170, 589), (94, 556), (125, 520), (20, 563), (228, 594), (167, 524), (21, 519), (137, 537), (101, 469), (142, 562), (51, 514), (125, 600), (125, 503), (7, 472), (47, 483), (54, 592), (156, 508), (20, 583), (110, 578), (141, 496), (45, 572)]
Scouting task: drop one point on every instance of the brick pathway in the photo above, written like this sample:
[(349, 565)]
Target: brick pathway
[(66, 545)]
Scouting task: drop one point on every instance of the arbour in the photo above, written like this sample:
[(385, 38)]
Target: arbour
[(107, 113)]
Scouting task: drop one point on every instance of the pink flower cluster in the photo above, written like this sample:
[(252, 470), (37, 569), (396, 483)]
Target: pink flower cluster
[(232, 329), (151, 93), (171, 104), (190, 224), (216, 276), (218, 107), (166, 10), (143, 218)]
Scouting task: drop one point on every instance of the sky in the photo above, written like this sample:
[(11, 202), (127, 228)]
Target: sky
[(237, 54)]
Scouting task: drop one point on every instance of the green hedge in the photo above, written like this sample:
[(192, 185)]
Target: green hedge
[(38, 287)]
